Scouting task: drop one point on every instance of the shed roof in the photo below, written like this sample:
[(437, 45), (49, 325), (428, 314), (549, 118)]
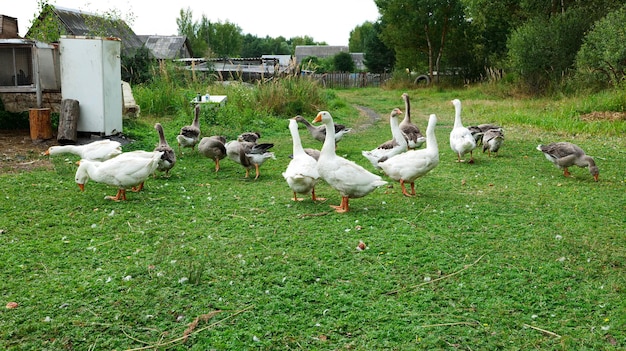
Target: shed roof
[(81, 23), (167, 47)]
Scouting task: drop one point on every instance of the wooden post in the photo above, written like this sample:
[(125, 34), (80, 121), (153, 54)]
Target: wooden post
[(68, 122), (40, 124)]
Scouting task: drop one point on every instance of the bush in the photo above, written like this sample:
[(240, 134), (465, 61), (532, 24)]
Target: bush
[(342, 62), (602, 57), (542, 51)]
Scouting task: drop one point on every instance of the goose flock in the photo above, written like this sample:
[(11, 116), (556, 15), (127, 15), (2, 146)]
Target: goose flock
[(400, 158)]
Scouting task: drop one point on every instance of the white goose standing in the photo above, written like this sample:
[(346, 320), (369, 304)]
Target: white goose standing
[(461, 139), (345, 176), (413, 164), (301, 173)]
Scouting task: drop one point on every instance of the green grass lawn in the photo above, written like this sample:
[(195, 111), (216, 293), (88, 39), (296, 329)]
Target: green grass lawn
[(502, 254)]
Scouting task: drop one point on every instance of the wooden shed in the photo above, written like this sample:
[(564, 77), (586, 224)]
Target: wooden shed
[(163, 47), (78, 23)]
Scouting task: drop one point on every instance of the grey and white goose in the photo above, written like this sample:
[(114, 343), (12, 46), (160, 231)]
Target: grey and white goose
[(412, 133), (319, 132), (214, 148), (190, 135), (168, 159), (248, 153), (479, 130), (492, 140), (565, 154), (390, 148)]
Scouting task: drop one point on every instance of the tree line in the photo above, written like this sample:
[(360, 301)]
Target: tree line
[(540, 44)]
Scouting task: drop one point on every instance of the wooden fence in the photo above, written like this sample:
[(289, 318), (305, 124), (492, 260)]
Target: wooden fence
[(336, 80)]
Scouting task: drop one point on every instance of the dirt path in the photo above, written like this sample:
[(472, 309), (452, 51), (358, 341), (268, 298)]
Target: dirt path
[(372, 115), (18, 153)]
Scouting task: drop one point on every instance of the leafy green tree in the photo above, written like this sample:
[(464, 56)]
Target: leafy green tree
[(295, 41), (48, 30), (543, 50), (493, 22), (211, 39), (202, 41), (378, 57), (226, 39), (253, 46), (418, 30), (359, 35), (603, 52), (343, 62), (198, 39)]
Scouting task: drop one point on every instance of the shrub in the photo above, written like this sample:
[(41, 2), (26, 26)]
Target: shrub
[(342, 62), (602, 57), (542, 51)]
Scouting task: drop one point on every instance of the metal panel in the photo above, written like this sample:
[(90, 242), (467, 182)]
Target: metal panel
[(91, 74)]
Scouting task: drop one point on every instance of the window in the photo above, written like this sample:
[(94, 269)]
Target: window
[(17, 66)]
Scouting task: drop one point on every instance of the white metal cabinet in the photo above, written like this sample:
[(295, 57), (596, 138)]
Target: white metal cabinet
[(91, 74)]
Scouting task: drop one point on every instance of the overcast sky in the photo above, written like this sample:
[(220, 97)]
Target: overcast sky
[(324, 20)]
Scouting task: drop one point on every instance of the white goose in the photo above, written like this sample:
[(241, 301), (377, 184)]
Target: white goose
[(168, 160), (100, 150), (190, 135), (122, 172), (413, 164), (564, 155), (461, 139), (411, 132), (345, 176), (391, 148), (301, 173)]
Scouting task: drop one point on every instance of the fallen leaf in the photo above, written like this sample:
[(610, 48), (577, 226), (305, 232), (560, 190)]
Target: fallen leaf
[(11, 305)]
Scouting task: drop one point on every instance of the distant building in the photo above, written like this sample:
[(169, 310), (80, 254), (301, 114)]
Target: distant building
[(167, 47), (324, 51), (8, 27), (321, 51), (29, 73)]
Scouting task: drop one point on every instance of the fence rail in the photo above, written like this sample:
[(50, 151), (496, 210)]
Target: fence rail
[(334, 80)]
